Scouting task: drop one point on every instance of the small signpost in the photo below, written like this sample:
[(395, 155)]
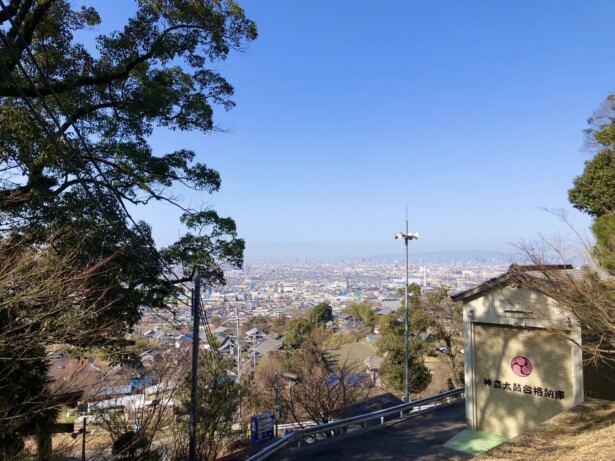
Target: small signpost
[(262, 427)]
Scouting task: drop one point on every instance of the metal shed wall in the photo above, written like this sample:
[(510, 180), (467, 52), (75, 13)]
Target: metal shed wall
[(507, 403), (520, 310)]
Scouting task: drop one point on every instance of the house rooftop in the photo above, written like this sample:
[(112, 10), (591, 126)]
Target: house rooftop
[(268, 345)]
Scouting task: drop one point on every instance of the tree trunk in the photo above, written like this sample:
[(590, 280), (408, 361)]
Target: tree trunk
[(43, 446)]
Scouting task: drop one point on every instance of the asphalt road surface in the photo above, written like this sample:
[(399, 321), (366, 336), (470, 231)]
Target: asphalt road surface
[(416, 438)]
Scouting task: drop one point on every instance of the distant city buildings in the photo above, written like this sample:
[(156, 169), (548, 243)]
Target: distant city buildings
[(277, 290)]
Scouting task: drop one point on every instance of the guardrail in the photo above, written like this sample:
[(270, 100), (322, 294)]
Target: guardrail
[(342, 426)]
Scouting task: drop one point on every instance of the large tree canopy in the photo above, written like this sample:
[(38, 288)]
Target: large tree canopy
[(591, 296), (392, 344), (75, 123), (74, 135), (594, 190)]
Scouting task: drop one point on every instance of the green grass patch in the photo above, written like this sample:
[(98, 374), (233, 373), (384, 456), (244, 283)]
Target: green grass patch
[(354, 354)]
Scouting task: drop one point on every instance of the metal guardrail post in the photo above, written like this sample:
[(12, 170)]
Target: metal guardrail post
[(339, 427)]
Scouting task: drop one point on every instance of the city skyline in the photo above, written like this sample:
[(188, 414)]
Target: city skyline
[(472, 115)]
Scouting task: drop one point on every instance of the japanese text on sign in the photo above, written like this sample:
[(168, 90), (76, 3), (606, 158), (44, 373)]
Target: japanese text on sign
[(537, 391)]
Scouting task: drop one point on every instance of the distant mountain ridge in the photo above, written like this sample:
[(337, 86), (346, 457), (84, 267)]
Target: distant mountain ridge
[(448, 255), (415, 257)]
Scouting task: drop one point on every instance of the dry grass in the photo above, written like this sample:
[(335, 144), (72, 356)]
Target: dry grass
[(439, 378), (65, 447), (584, 433)]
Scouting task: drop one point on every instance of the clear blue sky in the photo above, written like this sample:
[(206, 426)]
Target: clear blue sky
[(471, 112)]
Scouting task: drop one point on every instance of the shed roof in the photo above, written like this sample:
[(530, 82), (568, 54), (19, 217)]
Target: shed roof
[(510, 276)]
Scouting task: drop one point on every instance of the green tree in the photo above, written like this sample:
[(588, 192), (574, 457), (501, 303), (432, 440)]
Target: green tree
[(393, 370), (260, 322), (603, 229), (219, 397), (298, 330), (279, 324), (321, 313), (365, 313), (75, 143), (594, 190), (447, 327), (592, 300), (589, 294), (392, 346), (418, 319), (594, 194), (151, 74)]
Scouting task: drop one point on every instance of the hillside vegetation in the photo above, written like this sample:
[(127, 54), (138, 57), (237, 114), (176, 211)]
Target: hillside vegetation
[(584, 433)]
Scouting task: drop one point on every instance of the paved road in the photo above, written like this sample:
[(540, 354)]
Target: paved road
[(417, 438)]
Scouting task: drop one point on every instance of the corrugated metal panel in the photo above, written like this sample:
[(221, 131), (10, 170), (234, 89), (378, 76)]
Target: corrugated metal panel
[(518, 307), (508, 403), (468, 358)]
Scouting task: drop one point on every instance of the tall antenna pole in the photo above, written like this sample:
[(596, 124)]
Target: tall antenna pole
[(406, 236), (196, 316), (407, 395)]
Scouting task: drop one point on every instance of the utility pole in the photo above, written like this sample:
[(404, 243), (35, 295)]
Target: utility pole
[(196, 311), (83, 440), (238, 346), (277, 405)]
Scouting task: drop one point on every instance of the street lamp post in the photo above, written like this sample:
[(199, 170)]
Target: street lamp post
[(406, 236)]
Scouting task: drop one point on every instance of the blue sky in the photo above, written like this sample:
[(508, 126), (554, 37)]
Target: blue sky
[(470, 112)]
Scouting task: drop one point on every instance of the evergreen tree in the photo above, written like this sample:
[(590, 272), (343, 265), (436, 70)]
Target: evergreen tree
[(219, 398), (321, 314), (589, 296), (75, 137), (75, 125), (594, 190)]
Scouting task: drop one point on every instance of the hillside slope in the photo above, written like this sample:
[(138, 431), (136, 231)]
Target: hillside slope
[(584, 433)]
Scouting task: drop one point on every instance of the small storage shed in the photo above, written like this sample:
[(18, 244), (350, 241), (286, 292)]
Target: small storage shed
[(523, 363)]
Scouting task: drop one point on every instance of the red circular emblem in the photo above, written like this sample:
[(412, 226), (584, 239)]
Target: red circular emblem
[(521, 366)]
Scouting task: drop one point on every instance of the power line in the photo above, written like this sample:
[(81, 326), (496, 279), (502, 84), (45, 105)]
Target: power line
[(210, 337)]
